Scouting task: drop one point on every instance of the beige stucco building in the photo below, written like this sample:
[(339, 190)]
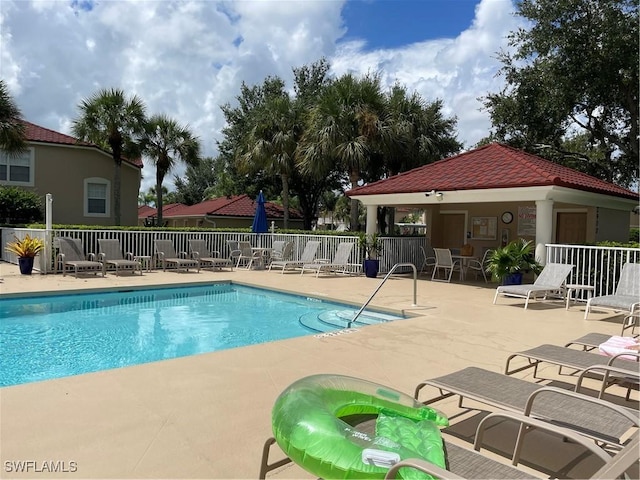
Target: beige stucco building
[(78, 175)]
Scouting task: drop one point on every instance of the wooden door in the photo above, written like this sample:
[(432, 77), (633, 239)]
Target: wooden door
[(571, 228), (453, 230)]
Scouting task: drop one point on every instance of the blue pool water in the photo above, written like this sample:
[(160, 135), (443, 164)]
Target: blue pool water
[(56, 336)]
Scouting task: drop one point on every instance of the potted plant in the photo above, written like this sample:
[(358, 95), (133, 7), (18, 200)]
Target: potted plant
[(371, 248), (26, 250), (507, 264)]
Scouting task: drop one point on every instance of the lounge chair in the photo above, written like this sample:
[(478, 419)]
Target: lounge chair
[(550, 281), (464, 463), (598, 419), (248, 256), (308, 255), (445, 262), (111, 255), (626, 296), (340, 262), (168, 256), (71, 257), (201, 253)]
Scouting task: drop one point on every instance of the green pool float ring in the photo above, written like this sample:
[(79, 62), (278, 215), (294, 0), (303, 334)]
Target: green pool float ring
[(308, 427)]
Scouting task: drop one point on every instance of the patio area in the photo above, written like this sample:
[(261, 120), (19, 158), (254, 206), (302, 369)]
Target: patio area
[(207, 416)]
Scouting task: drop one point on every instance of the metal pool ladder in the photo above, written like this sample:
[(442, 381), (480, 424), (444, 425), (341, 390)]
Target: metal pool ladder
[(415, 289)]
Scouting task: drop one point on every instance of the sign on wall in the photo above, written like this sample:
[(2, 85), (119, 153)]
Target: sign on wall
[(527, 221), (484, 228)]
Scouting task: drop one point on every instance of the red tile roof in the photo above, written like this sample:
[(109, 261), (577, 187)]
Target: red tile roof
[(491, 166), (235, 206), (36, 133), (145, 211)]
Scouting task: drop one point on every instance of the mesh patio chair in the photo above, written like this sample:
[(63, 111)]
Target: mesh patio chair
[(71, 257), (212, 259), (339, 263), (111, 255), (308, 256), (626, 296), (445, 262), (480, 266), (168, 256), (249, 257), (281, 250), (428, 259), (551, 280)]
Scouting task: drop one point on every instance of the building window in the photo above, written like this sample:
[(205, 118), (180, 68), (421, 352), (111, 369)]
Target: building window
[(16, 169), (96, 197)]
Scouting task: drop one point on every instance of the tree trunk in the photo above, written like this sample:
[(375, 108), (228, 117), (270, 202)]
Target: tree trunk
[(354, 176), (285, 199), (116, 192), (159, 179)]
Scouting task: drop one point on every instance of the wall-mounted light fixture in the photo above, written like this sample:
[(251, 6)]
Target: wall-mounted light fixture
[(438, 195)]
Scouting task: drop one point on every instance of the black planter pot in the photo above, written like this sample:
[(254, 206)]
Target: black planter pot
[(26, 265), (512, 279), (371, 268)]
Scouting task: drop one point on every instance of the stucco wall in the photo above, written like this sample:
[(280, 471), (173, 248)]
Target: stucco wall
[(62, 171)]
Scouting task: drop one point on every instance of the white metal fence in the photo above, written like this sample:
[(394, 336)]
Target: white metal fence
[(597, 266)]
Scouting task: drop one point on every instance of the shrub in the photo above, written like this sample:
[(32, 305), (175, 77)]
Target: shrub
[(18, 206)]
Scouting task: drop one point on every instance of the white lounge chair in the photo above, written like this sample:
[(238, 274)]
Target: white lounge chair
[(201, 253), (308, 255), (111, 255), (71, 257), (626, 296), (340, 262), (168, 256), (550, 281)]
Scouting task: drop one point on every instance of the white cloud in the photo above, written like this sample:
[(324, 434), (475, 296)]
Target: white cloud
[(186, 58)]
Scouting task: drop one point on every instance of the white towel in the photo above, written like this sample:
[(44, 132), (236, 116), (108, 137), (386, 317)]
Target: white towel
[(616, 345)]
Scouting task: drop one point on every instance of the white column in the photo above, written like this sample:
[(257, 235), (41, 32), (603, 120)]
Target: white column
[(544, 228), (372, 218)]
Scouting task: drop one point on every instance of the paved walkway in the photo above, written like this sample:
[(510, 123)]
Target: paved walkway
[(207, 416)]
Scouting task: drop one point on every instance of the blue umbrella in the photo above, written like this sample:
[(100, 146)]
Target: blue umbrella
[(260, 218)]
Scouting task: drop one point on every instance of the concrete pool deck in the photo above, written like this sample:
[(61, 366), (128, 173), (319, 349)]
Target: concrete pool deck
[(208, 415)]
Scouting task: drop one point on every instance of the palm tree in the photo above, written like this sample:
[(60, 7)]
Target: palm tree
[(344, 130), (12, 133), (165, 142), (113, 122), (272, 142)]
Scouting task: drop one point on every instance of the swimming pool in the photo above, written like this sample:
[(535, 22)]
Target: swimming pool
[(56, 336)]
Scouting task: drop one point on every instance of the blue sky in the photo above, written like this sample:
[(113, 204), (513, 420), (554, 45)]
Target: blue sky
[(395, 23), (186, 58)]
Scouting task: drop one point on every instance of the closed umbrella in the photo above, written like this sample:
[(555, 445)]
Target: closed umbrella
[(260, 217)]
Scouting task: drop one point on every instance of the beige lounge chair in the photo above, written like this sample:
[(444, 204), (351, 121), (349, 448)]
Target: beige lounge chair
[(168, 256), (464, 463), (71, 257), (111, 255), (340, 262), (308, 256), (201, 253), (626, 296), (550, 281)]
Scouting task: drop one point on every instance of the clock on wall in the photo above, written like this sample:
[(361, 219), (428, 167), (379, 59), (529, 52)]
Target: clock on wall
[(507, 217)]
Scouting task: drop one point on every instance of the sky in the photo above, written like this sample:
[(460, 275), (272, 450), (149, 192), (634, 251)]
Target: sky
[(186, 58)]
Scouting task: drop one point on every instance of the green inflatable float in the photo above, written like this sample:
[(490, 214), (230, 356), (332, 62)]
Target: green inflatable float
[(308, 427)]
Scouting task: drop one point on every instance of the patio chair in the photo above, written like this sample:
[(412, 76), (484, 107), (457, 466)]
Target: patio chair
[(579, 361), (248, 256), (550, 281), (428, 260), (601, 420), (281, 250), (445, 262), (168, 256), (201, 253), (465, 463), (71, 257), (308, 256), (479, 266), (111, 255), (234, 250), (626, 296), (340, 262)]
